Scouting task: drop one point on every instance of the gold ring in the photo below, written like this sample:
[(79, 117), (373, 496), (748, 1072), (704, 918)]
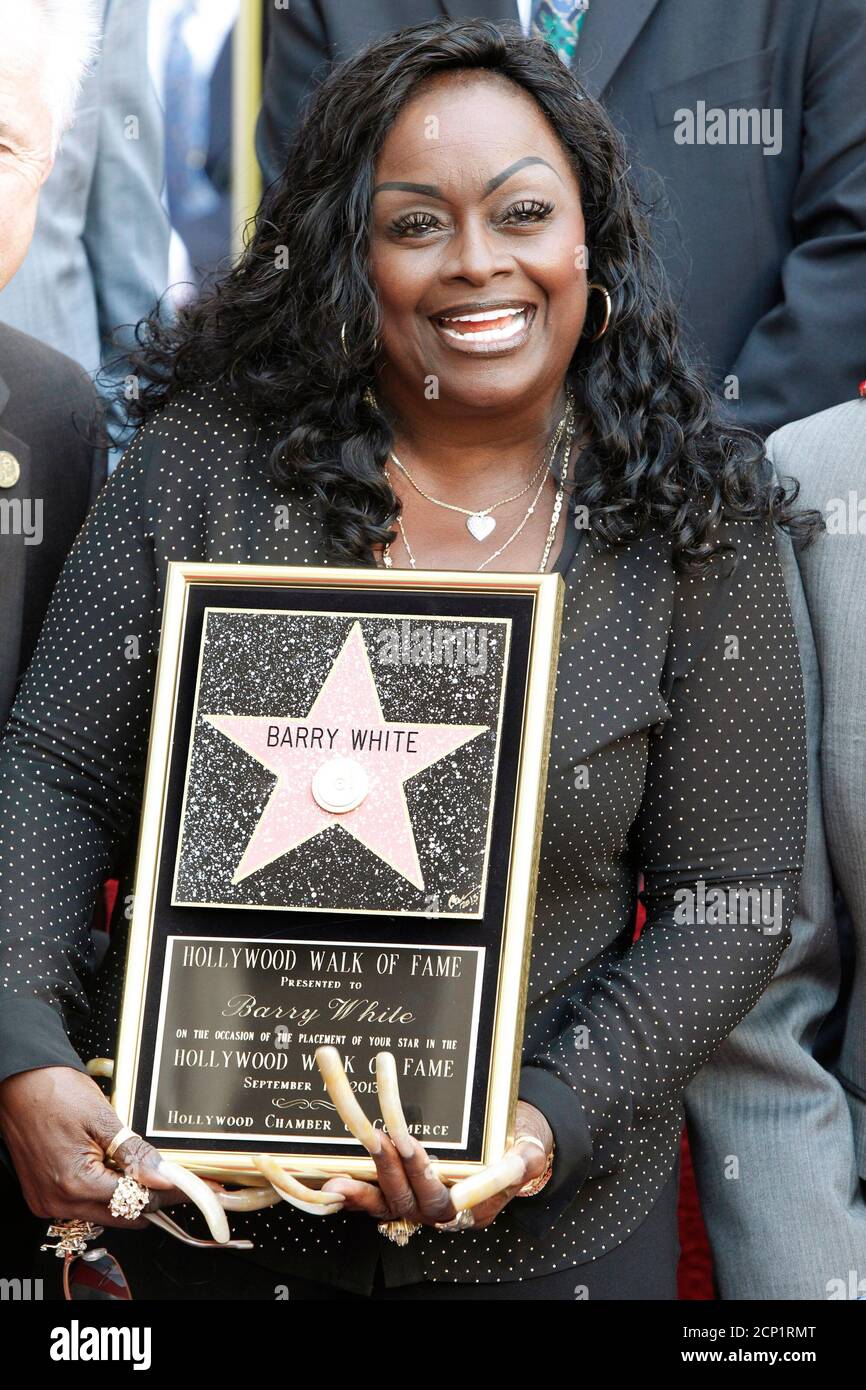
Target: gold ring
[(530, 1139), (534, 1185), (120, 1138), (129, 1198), (398, 1231), (72, 1236)]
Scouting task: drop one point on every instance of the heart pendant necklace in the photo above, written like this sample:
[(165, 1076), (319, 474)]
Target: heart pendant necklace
[(480, 522), (568, 422)]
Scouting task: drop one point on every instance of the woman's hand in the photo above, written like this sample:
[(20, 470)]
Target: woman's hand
[(408, 1189), (57, 1125)]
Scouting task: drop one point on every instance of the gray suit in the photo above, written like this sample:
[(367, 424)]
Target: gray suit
[(99, 257), (779, 1142)]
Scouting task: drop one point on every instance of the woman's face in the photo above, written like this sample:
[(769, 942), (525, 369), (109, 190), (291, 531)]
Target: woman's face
[(477, 249)]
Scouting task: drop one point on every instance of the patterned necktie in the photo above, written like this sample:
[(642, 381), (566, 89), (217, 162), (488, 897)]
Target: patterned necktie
[(559, 22)]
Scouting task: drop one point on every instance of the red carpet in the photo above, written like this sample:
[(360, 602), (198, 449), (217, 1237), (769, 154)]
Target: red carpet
[(695, 1277)]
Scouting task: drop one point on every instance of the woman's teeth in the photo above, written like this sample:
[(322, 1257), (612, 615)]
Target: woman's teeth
[(489, 326)]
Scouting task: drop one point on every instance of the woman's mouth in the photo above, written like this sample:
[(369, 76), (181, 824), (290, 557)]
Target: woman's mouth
[(501, 328)]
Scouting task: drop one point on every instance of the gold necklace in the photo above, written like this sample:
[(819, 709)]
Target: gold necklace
[(551, 530), (479, 521)]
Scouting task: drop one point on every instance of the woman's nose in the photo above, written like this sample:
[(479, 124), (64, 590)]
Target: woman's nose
[(474, 255)]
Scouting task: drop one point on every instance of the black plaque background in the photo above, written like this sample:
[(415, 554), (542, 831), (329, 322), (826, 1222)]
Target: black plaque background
[(200, 1091), (278, 924)]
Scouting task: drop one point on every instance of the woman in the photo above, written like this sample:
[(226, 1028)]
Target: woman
[(400, 343)]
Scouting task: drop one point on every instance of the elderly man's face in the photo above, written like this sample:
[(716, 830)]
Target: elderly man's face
[(25, 137)]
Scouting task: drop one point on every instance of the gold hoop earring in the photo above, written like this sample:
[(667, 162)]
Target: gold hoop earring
[(343, 341), (594, 285)]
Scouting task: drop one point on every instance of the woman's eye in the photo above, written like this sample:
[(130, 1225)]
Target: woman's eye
[(414, 223), (528, 210)]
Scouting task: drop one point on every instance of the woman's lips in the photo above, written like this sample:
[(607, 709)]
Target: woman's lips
[(487, 331)]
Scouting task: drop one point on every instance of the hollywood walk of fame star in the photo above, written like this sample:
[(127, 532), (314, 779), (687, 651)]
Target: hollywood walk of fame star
[(348, 701)]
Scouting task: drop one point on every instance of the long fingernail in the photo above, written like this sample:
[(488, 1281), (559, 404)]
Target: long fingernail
[(388, 1088), (345, 1102), (403, 1143)]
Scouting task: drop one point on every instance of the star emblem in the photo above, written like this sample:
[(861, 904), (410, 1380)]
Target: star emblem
[(343, 752)]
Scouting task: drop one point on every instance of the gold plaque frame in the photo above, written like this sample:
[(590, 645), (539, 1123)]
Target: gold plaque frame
[(546, 592)]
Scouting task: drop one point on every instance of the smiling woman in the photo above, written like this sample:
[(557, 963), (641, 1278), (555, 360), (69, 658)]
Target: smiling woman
[(476, 265), (408, 363), (446, 173), (491, 326)]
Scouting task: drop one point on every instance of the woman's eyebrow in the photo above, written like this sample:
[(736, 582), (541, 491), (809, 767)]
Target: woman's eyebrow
[(429, 190), (513, 169)]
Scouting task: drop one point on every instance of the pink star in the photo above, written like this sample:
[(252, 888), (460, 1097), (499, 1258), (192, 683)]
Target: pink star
[(345, 713)]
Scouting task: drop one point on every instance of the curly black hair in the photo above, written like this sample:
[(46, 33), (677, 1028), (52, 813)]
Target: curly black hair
[(269, 330)]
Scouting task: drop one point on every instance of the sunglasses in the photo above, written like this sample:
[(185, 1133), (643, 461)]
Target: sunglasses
[(95, 1275)]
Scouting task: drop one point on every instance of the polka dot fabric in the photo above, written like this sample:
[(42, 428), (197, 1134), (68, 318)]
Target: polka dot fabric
[(678, 753)]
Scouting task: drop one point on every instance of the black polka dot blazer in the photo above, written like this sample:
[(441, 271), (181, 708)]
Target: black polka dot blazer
[(678, 754)]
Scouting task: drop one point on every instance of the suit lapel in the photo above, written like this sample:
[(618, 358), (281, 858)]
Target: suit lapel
[(501, 11), (609, 31), (12, 568)]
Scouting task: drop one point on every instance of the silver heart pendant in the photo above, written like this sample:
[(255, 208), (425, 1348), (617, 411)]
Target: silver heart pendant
[(480, 526)]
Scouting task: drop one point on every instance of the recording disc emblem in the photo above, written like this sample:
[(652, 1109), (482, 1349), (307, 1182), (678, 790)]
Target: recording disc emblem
[(340, 785)]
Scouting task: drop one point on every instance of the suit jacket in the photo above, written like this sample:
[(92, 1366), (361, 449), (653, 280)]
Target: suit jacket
[(790, 1221), (667, 757), (99, 257), (49, 423), (776, 239)]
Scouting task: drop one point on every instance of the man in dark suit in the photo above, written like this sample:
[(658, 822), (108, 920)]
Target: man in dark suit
[(51, 468), (748, 130), (51, 461)]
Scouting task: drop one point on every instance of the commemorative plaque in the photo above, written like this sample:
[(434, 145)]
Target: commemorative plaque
[(339, 841)]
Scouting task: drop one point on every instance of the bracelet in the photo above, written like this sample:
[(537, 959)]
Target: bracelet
[(535, 1185)]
